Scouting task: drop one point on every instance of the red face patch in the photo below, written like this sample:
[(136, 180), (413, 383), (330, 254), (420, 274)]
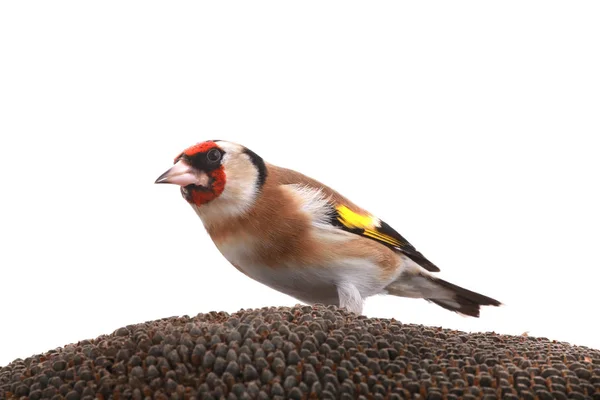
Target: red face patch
[(200, 197), (217, 175), (202, 147)]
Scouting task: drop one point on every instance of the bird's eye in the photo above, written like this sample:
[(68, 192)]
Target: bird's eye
[(213, 155)]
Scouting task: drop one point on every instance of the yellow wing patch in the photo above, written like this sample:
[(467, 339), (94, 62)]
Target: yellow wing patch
[(378, 230), (353, 220), (382, 237), (367, 223)]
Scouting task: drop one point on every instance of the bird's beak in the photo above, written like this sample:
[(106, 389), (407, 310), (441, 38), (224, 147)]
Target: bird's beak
[(179, 174)]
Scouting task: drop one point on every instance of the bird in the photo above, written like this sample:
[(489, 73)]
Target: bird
[(302, 238)]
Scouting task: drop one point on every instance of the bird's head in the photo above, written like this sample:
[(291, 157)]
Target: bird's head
[(217, 173)]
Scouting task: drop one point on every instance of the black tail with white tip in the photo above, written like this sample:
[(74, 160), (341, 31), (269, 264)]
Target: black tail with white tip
[(464, 301), (422, 285)]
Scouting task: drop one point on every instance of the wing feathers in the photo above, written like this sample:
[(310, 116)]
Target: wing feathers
[(349, 217), (376, 229)]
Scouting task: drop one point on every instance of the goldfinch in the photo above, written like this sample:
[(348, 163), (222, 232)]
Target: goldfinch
[(302, 238)]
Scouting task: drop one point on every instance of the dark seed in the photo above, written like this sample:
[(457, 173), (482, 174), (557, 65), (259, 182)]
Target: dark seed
[(72, 395)]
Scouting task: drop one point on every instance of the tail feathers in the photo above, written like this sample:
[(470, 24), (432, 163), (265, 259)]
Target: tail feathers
[(443, 293), (463, 301)]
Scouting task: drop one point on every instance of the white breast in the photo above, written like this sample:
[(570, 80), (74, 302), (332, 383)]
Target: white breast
[(308, 283)]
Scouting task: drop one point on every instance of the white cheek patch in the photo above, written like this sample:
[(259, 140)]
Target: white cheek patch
[(240, 188)]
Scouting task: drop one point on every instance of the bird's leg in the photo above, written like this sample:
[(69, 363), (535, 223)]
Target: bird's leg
[(350, 297)]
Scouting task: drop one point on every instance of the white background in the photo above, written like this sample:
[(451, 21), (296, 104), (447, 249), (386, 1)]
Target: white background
[(471, 127)]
